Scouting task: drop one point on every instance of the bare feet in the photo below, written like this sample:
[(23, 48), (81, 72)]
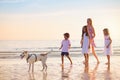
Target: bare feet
[(71, 63), (62, 65), (107, 63), (83, 62)]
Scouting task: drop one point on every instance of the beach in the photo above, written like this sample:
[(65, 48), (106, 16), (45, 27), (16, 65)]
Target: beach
[(17, 69), (60, 27), (12, 67)]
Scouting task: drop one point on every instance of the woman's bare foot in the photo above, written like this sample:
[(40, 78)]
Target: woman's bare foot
[(62, 65)]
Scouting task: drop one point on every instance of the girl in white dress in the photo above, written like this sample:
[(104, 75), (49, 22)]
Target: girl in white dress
[(85, 44), (107, 47)]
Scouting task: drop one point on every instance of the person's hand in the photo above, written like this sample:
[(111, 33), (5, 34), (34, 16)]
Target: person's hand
[(81, 45), (59, 48), (69, 47)]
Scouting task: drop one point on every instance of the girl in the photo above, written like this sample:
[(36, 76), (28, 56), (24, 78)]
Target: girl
[(85, 44), (65, 46), (91, 34), (108, 41)]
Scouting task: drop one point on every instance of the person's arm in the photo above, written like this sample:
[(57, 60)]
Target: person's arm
[(109, 43), (88, 32), (69, 46), (81, 42), (61, 47), (94, 32)]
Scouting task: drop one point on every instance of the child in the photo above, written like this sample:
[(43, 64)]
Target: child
[(65, 46), (108, 41), (85, 44)]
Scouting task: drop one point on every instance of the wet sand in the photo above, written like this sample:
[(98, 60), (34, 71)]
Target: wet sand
[(16, 69)]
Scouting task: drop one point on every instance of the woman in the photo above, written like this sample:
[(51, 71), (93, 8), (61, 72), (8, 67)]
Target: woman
[(91, 33)]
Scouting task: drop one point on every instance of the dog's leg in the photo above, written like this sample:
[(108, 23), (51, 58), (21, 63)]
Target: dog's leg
[(29, 67), (43, 65), (46, 66), (33, 67)]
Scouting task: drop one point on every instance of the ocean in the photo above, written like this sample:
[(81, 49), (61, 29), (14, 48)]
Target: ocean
[(13, 48)]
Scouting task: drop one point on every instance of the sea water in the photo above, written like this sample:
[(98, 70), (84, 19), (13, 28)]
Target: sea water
[(9, 48)]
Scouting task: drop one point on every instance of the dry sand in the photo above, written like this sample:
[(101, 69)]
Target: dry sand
[(16, 69)]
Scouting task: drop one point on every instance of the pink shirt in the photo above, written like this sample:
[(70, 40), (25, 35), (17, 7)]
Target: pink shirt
[(65, 45), (90, 29)]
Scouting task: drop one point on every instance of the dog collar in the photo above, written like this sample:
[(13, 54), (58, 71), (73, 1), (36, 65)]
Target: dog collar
[(29, 55)]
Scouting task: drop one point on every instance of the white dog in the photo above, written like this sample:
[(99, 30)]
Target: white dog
[(31, 58)]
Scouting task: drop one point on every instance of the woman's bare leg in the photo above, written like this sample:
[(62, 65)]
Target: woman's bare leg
[(93, 52)]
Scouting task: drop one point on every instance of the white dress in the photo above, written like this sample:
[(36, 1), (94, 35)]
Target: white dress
[(107, 51), (85, 45)]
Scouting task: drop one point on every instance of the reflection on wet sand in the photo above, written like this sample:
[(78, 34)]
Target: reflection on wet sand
[(12, 70), (89, 75), (44, 76), (108, 73), (85, 75), (108, 68), (65, 73), (31, 76)]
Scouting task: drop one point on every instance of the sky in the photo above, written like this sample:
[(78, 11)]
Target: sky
[(49, 19)]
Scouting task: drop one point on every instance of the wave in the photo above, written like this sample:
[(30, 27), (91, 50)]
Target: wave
[(74, 52)]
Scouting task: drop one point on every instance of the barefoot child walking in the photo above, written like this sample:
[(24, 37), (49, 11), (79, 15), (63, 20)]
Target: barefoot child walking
[(108, 41), (65, 46), (85, 44)]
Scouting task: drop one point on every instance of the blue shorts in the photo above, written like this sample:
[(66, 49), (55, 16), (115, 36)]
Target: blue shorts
[(64, 53)]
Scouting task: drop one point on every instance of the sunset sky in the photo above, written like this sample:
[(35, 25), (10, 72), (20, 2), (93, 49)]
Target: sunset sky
[(49, 19)]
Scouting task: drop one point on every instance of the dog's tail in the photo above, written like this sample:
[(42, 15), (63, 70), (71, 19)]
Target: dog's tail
[(49, 51)]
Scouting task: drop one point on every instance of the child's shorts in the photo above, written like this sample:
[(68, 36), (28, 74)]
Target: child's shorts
[(64, 53)]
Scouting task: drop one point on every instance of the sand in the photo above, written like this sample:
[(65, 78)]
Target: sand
[(16, 69)]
